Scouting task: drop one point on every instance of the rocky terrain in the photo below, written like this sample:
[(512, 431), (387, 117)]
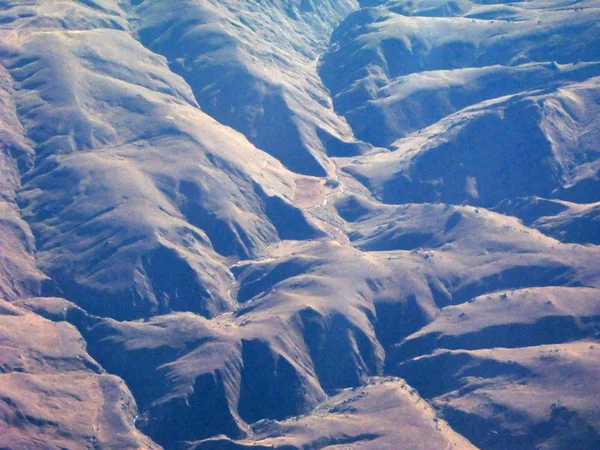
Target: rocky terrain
[(299, 224)]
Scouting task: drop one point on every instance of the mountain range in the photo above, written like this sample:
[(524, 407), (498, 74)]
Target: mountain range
[(299, 224)]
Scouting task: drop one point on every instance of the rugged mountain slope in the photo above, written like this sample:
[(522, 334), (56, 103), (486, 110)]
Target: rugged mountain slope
[(239, 223), (509, 97), (19, 274), (252, 65), (130, 172), (53, 395)]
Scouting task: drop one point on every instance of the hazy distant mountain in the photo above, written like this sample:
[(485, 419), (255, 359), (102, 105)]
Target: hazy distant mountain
[(299, 224)]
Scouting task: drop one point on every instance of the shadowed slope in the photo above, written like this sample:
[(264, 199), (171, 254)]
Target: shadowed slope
[(249, 304)]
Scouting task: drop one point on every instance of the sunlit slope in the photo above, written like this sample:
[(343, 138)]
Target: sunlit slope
[(299, 224), (135, 195), (479, 103), (253, 66), (45, 369)]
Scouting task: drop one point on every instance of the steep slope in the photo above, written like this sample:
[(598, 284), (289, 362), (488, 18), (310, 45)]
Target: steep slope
[(112, 195), (537, 144), (380, 414), (507, 398), (254, 217), (44, 369), (509, 96), (19, 274), (252, 66), (405, 65), (566, 221)]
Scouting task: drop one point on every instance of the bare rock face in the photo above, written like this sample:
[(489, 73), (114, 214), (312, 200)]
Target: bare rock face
[(299, 224)]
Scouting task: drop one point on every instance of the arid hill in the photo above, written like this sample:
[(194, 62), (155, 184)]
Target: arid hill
[(299, 224)]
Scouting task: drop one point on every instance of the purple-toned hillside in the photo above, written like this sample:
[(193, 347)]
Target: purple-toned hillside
[(299, 224)]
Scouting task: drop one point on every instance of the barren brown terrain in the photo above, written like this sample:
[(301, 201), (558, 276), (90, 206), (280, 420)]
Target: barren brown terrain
[(299, 224)]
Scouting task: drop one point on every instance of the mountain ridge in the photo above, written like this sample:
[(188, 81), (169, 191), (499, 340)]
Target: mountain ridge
[(299, 224)]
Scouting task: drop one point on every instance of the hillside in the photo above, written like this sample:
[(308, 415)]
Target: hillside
[(299, 224)]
